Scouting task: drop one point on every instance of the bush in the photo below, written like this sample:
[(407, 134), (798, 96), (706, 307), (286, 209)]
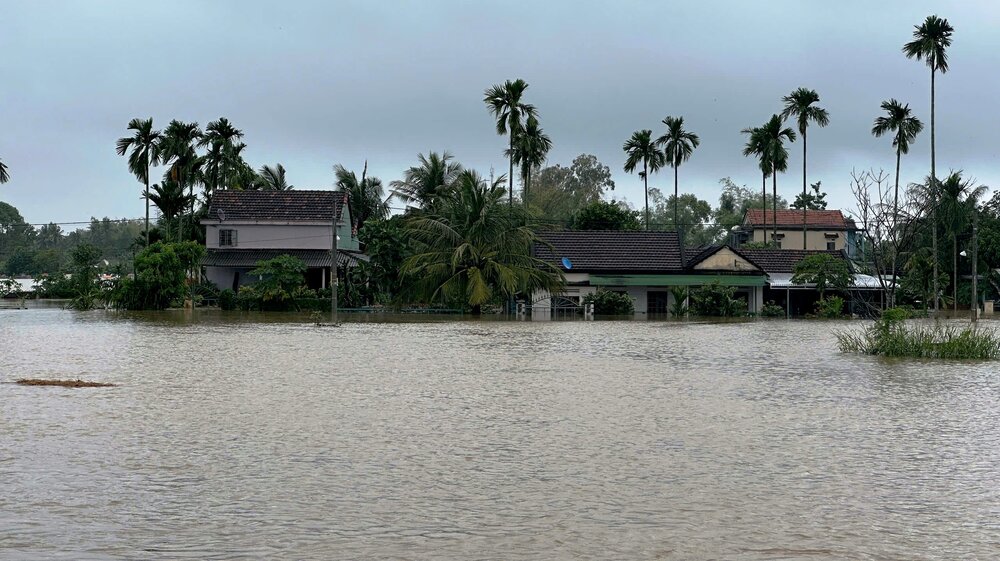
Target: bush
[(227, 299), (607, 303), (890, 337), (717, 301), (160, 276), (772, 310), (678, 308), (831, 307)]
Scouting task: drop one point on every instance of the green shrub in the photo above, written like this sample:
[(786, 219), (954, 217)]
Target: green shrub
[(717, 301), (830, 307), (889, 336), (607, 303), (679, 308), (772, 310), (227, 299)]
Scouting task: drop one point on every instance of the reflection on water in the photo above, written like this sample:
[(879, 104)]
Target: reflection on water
[(234, 436)]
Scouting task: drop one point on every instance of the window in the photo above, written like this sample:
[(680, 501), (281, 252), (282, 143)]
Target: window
[(227, 238), (831, 245)]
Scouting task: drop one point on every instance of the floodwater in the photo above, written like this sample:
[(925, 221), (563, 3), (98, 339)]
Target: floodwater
[(231, 438)]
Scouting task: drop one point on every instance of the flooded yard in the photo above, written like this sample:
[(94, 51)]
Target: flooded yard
[(228, 437)]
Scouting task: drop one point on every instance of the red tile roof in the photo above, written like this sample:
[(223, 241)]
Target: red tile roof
[(281, 206), (831, 219)]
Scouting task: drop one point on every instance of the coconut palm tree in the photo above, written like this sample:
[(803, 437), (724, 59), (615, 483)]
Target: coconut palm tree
[(365, 197), (773, 138), (801, 104), (169, 197), (930, 43), (145, 146), (640, 147), (504, 103), (678, 145), (756, 146), (530, 149), (958, 197), (421, 184), (177, 150), (5, 173), (472, 249), (273, 179)]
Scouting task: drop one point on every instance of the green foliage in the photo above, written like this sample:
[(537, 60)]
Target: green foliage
[(558, 192), (772, 310), (471, 248), (891, 337), (282, 279), (227, 299), (387, 246), (717, 301), (693, 217), (160, 276), (825, 271), (365, 196), (608, 303), (679, 308), (9, 287), (811, 201), (735, 200), (830, 308), (601, 215)]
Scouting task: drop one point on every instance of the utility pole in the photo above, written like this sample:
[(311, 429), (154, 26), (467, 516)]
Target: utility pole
[(975, 263), (333, 267)]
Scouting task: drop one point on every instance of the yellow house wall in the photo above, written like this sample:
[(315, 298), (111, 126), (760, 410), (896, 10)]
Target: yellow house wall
[(815, 239), (725, 260)]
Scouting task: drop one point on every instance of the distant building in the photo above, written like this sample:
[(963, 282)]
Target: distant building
[(826, 230), (244, 227)]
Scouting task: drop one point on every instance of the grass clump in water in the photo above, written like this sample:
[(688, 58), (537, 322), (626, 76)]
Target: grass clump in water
[(63, 383), (891, 337)]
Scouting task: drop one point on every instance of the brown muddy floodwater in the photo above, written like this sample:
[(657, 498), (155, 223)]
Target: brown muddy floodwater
[(235, 437)]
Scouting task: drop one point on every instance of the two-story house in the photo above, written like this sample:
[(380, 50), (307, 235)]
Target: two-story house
[(244, 227), (826, 230)]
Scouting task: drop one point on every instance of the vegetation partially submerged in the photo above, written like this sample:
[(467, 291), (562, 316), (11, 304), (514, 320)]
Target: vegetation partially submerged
[(891, 337), (63, 383)]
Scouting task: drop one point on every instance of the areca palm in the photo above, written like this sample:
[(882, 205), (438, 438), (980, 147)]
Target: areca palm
[(505, 104), (801, 104), (169, 197), (756, 146), (773, 138), (530, 149), (472, 249), (930, 43), (422, 183), (220, 137), (5, 173), (640, 148), (905, 127), (678, 145), (145, 152), (273, 179), (177, 150), (958, 197), (365, 197)]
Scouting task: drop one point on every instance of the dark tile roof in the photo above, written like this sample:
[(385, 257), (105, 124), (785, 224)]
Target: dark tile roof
[(250, 257), (280, 206), (593, 251), (832, 219), (780, 260)]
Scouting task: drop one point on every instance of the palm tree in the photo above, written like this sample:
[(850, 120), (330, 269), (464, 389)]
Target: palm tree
[(423, 183), (756, 146), (958, 199), (273, 179), (905, 127), (5, 173), (365, 197), (472, 249), (169, 197), (145, 145), (774, 137), (640, 147), (504, 103), (177, 149), (678, 144), (931, 40), (799, 103), (220, 136), (530, 150)]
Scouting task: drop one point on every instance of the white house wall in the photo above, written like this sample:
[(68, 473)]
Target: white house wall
[(271, 236)]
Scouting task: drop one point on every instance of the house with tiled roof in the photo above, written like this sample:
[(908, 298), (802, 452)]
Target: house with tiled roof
[(646, 265), (825, 230), (244, 227)]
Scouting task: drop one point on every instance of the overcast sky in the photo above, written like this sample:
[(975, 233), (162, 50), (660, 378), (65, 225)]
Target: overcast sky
[(316, 83)]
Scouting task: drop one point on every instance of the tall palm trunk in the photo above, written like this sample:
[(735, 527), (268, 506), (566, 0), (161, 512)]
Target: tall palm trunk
[(677, 224), (954, 274), (645, 183), (895, 218), (510, 196), (934, 236), (804, 205), (774, 202), (763, 201), (147, 200)]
